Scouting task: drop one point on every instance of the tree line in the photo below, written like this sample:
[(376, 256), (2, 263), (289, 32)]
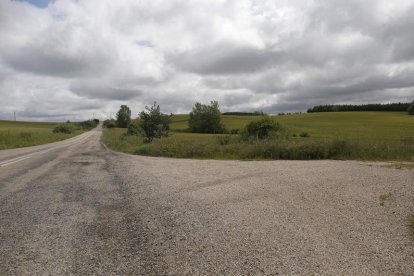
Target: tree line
[(364, 107)]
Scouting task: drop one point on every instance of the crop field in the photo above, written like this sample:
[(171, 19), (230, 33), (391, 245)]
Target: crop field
[(23, 134), (339, 135)]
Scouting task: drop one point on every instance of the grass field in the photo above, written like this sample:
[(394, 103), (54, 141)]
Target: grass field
[(24, 134), (341, 135)]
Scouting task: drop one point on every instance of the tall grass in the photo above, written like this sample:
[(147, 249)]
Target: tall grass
[(183, 145), (348, 135), (24, 134)]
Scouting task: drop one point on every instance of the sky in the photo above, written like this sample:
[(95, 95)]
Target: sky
[(74, 59)]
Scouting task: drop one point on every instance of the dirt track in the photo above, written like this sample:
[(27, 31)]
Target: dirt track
[(81, 209)]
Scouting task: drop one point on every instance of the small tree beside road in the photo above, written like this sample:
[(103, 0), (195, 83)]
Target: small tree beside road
[(123, 117), (154, 123)]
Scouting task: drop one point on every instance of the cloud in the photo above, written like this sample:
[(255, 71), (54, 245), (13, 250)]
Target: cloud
[(98, 90), (68, 59)]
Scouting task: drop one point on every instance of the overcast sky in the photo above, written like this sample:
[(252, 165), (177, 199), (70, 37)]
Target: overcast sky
[(68, 59)]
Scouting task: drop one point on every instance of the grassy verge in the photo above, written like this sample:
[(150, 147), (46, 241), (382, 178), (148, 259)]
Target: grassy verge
[(24, 134), (350, 135)]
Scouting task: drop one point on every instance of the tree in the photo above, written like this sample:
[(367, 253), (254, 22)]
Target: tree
[(154, 123), (410, 109), (123, 117), (206, 118)]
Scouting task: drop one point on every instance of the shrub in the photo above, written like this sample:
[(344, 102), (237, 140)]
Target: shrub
[(261, 129), (304, 134), (63, 128), (410, 109), (89, 124), (206, 118), (154, 123), (133, 129), (123, 117), (234, 131), (109, 123)]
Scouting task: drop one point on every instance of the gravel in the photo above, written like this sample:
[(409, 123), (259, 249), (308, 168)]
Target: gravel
[(83, 209)]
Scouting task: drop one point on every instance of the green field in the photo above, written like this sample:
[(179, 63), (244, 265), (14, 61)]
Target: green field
[(23, 134), (340, 135)]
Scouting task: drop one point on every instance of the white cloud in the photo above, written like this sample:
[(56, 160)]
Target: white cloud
[(75, 58)]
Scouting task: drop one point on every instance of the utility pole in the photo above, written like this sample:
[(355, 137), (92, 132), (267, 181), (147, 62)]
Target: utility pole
[(14, 113)]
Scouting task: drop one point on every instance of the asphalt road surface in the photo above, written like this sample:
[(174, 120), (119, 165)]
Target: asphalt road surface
[(74, 207)]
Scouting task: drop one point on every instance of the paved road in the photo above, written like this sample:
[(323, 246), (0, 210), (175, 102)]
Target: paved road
[(77, 208)]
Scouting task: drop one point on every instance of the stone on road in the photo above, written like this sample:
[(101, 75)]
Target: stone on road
[(82, 209)]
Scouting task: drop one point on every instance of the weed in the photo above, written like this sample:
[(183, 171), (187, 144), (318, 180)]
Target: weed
[(410, 220), (223, 139), (385, 197)]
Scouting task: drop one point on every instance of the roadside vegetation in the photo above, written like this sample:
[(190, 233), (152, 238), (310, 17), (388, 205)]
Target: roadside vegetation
[(23, 134), (338, 135), (385, 197)]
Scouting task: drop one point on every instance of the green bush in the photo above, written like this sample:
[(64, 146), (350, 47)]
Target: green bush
[(304, 134), (63, 128), (134, 129), (206, 118), (109, 123), (154, 123), (89, 124), (264, 128)]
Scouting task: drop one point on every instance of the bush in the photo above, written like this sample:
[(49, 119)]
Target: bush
[(109, 123), (234, 131), (89, 124), (304, 134), (261, 129), (154, 123), (134, 129), (123, 117), (206, 118), (410, 109), (63, 128)]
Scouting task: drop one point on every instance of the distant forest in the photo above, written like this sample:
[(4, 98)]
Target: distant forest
[(256, 113), (363, 107)]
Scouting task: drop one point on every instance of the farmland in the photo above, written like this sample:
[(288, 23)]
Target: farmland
[(339, 135), (23, 134)]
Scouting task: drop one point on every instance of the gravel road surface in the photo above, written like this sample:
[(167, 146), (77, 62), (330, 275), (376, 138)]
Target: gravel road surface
[(75, 208)]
